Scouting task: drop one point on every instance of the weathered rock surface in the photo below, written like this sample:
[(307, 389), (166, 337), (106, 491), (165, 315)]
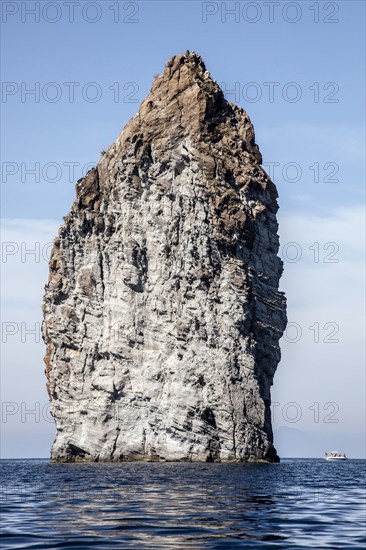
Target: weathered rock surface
[(162, 314)]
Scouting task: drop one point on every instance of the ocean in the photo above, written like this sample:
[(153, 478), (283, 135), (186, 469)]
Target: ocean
[(299, 503)]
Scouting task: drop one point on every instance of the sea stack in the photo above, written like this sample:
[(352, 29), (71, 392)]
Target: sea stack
[(162, 314)]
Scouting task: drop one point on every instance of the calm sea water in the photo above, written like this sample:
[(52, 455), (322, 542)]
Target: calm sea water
[(300, 503)]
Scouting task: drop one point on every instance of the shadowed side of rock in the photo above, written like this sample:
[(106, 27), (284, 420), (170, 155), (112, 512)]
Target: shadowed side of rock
[(162, 315)]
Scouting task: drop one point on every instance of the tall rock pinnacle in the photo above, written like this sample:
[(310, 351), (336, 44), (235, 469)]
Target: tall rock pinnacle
[(162, 315)]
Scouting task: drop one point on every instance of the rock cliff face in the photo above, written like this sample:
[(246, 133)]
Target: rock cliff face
[(162, 314)]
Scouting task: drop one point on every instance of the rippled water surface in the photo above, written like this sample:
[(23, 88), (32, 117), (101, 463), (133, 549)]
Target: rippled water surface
[(300, 503)]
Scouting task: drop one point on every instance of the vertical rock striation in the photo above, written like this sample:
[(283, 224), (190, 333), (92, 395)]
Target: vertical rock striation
[(162, 315)]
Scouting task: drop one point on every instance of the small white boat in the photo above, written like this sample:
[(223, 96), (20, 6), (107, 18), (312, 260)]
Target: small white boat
[(335, 455)]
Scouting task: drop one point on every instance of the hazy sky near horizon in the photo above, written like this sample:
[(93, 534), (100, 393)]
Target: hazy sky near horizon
[(69, 87)]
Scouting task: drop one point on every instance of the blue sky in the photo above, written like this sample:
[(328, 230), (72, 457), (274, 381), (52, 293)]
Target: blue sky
[(310, 132)]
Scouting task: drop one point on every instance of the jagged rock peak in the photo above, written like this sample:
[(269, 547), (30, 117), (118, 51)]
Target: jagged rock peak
[(162, 315), (185, 102), (191, 58), (185, 70), (185, 82), (193, 63)]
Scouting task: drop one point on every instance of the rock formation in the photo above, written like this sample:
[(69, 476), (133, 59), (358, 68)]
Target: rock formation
[(162, 315)]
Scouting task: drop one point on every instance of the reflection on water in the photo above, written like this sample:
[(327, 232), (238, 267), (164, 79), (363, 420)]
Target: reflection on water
[(295, 504)]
